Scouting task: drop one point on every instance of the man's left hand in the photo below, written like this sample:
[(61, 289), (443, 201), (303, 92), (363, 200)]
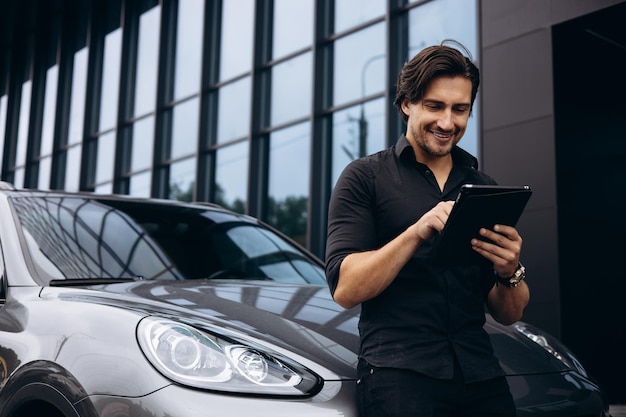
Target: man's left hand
[(502, 246)]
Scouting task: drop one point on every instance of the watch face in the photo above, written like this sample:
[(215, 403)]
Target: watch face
[(518, 276), (515, 280)]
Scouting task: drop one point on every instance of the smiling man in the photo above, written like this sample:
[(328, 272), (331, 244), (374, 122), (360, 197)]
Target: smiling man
[(423, 349)]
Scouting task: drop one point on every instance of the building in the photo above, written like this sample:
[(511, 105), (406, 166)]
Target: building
[(259, 104)]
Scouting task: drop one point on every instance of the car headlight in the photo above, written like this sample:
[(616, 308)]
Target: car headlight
[(203, 360), (552, 346)]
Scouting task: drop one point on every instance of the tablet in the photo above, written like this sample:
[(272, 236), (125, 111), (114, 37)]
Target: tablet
[(477, 206)]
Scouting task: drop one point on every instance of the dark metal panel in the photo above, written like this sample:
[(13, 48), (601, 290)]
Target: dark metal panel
[(93, 97), (321, 129), (165, 92), (126, 98), (12, 116), (397, 50), (47, 39), (73, 37), (205, 189), (258, 171)]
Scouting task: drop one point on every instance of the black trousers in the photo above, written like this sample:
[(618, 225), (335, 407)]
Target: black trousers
[(390, 392)]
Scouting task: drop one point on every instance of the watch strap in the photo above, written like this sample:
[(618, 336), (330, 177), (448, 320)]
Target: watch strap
[(515, 279)]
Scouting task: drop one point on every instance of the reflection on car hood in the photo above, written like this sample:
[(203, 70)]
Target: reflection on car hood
[(300, 318), (518, 354)]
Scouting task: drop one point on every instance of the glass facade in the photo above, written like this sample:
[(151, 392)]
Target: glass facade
[(253, 104)]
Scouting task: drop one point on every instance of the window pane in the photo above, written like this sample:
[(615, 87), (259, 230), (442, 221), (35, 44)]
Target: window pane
[(234, 111), (185, 128), (143, 144), (3, 123), (147, 61), (289, 180), (105, 160), (77, 110), (106, 188), (49, 111), (291, 89), (231, 177), (45, 165), (435, 21), (140, 184), (293, 26), (349, 13), (18, 177), (110, 79), (72, 168), (359, 66), (189, 47), (22, 134), (357, 131), (182, 176), (236, 46)]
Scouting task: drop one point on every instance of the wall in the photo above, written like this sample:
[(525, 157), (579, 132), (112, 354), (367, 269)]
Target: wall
[(520, 145)]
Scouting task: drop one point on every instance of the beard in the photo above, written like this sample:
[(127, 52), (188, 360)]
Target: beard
[(430, 145)]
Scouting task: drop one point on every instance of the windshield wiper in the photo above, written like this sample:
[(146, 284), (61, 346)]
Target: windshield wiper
[(78, 282)]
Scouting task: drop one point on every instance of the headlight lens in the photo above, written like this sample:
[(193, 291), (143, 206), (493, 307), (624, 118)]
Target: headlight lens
[(203, 360), (552, 346)]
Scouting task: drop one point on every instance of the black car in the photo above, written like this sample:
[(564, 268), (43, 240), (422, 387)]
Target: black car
[(113, 306)]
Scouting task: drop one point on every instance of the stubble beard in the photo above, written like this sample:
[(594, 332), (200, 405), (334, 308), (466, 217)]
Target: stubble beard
[(436, 151)]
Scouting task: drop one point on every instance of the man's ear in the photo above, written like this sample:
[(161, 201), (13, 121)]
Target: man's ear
[(405, 107)]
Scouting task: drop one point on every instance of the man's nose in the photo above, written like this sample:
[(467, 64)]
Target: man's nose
[(445, 121)]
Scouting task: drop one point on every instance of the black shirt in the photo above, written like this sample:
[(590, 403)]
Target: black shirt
[(429, 315)]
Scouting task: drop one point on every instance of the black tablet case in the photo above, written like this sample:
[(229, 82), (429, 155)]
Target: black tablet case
[(477, 206)]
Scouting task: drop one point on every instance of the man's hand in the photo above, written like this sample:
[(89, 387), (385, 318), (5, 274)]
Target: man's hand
[(505, 304), (433, 220), (502, 248), (364, 275)]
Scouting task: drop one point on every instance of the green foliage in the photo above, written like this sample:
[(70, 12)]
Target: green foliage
[(288, 215)]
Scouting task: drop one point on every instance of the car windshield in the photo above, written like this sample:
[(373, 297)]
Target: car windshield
[(83, 238)]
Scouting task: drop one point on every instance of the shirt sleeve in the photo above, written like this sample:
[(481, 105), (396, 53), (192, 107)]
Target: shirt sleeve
[(351, 225)]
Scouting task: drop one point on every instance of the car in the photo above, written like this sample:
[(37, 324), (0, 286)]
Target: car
[(114, 306)]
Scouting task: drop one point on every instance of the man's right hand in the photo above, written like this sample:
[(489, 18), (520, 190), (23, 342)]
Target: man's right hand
[(433, 220)]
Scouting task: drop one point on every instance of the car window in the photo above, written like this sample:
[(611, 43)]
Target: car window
[(76, 238), (84, 238)]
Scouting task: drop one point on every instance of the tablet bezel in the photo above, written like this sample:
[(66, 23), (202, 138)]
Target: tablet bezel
[(477, 206)]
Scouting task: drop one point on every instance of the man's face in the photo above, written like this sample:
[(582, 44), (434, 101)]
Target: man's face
[(438, 121)]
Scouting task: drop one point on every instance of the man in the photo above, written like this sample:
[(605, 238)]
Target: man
[(423, 348)]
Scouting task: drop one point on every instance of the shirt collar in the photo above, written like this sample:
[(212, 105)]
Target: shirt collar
[(460, 156)]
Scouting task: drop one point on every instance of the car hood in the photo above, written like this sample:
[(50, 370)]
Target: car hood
[(524, 349), (301, 319)]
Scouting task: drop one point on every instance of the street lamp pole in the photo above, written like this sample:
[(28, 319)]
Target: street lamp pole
[(363, 125)]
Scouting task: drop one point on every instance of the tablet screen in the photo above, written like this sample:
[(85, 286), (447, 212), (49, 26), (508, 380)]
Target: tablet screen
[(477, 206)]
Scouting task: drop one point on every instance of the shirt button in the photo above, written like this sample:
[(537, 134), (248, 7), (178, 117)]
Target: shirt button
[(428, 172)]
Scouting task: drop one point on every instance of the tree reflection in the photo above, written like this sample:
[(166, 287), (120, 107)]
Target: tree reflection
[(288, 215), (177, 192)]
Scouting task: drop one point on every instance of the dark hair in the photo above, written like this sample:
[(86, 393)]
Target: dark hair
[(430, 63)]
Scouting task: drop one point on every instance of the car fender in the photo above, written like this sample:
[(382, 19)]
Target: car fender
[(42, 384)]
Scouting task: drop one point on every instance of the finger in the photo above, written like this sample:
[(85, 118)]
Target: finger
[(509, 231), (498, 256), (497, 238)]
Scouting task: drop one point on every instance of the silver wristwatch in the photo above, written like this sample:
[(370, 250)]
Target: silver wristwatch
[(515, 279)]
